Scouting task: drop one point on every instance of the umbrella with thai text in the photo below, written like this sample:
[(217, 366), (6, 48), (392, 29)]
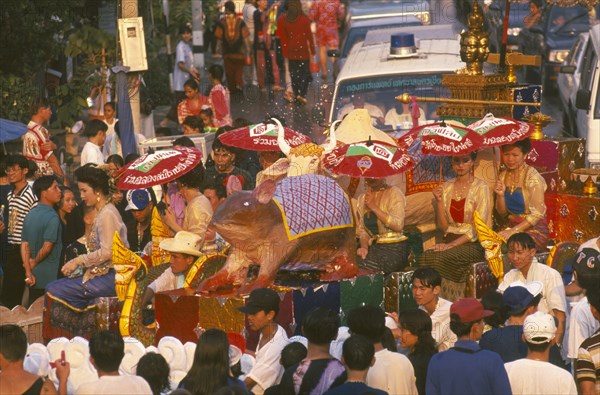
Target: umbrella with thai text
[(158, 168), (498, 131), (369, 159), (441, 138), (262, 137)]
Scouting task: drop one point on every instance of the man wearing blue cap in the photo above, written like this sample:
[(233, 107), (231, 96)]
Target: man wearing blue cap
[(521, 301), (139, 202)]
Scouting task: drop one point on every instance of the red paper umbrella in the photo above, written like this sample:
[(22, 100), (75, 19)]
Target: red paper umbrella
[(261, 137), (498, 131), (444, 139), (371, 159), (158, 168)]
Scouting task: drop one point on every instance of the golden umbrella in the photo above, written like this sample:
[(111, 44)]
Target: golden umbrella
[(492, 244)]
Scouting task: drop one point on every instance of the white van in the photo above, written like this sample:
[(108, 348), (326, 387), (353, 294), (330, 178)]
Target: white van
[(377, 76), (587, 100)]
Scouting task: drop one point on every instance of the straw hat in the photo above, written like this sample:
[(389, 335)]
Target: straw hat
[(357, 126)]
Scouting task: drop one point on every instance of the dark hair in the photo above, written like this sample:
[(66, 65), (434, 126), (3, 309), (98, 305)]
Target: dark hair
[(538, 347), (194, 178), (184, 28), (155, 370), (108, 349), (63, 189), (131, 157), (358, 352), (191, 84), (428, 276), (219, 189), (492, 300), (37, 103), (229, 7), (524, 145), (194, 122), (94, 126), (321, 325), (17, 160), (538, 3), (293, 10), (97, 179), (588, 279), (111, 104), (367, 321), (13, 342), (3, 165), (42, 184), (388, 341), (460, 328), (117, 128), (210, 368), (593, 297), (206, 111), (217, 145), (183, 141), (521, 239), (418, 322), (472, 155), (116, 159), (292, 354), (240, 123), (216, 72)]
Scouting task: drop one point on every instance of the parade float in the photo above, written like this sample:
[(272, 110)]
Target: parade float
[(319, 237)]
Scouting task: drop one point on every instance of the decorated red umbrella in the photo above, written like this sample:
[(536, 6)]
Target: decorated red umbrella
[(158, 168), (500, 130), (441, 138), (261, 137), (370, 159)]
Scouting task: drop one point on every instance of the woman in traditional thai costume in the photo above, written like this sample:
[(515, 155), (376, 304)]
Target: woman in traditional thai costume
[(520, 196), (455, 202), (380, 214), (90, 275)]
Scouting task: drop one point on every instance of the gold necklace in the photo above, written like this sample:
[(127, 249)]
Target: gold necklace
[(515, 180), (461, 193)]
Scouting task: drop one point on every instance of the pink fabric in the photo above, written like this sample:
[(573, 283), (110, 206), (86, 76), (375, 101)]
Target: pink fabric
[(176, 202), (220, 104), (415, 113), (296, 37), (187, 107), (325, 14)]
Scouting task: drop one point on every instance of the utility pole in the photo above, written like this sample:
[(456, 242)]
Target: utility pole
[(129, 9), (197, 36)]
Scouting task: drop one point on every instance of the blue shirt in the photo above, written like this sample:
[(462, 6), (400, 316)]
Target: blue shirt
[(467, 369), (354, 388)]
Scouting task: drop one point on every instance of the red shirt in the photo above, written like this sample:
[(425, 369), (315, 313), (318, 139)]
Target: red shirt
[(296, 37)]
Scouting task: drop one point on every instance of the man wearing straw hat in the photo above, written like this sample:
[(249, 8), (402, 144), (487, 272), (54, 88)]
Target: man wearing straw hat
[(184, 248)]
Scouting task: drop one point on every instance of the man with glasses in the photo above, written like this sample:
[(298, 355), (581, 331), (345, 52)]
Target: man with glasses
[(20, 202)]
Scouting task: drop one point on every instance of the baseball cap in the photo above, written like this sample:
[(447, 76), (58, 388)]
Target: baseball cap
[(137, 199), (586, 261), (519, 295), (539, 328), (261, 299), (469, 310)]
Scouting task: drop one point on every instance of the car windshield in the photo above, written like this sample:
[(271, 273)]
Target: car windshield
[(377, 95), (568, 20)]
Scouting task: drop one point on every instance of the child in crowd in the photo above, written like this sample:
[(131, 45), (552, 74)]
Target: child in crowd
[(110, 119), (96, 134), (219, 98)]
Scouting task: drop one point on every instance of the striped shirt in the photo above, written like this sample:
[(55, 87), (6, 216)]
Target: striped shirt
[(588, 361), (18, 207)]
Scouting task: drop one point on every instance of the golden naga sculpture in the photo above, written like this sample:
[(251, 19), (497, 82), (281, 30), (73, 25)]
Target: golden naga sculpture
[(474, 49), (492, 244)]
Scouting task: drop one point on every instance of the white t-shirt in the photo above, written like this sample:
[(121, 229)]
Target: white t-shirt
[(183, 53), (392, 372), (553, 293), (267, 370), (582, 325), (528, 376), (248, 15), (91, 153), (440, 320), (167, 281), (115, 385)]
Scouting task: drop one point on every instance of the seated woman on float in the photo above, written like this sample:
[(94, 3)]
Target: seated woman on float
[(380, 223), (455, 202), (520, 196)]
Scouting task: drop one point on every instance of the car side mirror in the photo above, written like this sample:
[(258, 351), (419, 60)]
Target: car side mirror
[(582, 99), (568, 69), (537, 29), (333, 53)]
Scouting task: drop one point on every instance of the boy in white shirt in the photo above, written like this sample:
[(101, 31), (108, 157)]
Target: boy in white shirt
[(92, 150)]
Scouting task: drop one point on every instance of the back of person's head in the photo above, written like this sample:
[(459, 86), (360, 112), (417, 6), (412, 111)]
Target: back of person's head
[(115, 159), (388, 341), (194, 122), (107, 349), (593, 297), (492, 300), (428, 276), (216, 72), (358, 352), (94, 127), (367, 321), (131, 157), (42, 184), (586, 264), (117, 128), (155, 370), (94, 177), (219, 189), (240, 123), (13, 343), (194, 178), (183, 141), (292, 354), (521, 239), (321, 325), (539, 331), (418, 322), (210, 368)]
